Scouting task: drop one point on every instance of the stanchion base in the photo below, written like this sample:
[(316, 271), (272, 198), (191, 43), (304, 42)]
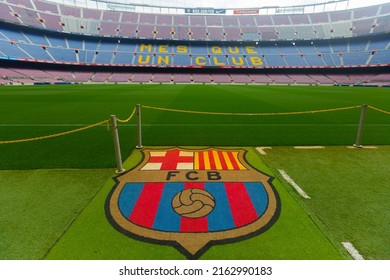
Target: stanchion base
[(119, 171), (139, 147), (357, 146)]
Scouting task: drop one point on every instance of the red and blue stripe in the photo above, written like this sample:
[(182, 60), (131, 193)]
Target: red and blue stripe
[(236, 204)]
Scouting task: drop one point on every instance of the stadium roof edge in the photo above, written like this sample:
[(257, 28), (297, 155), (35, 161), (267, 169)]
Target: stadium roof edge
[(221, 7)]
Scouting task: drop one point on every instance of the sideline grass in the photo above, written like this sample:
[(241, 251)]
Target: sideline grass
[(37, 206), (24, 111), (349, 190), (293, 236)]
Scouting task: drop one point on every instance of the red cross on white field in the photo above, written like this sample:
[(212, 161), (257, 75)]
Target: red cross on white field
[(170, 160)]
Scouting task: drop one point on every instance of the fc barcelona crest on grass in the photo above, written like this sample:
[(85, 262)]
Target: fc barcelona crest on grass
[(192, 199)]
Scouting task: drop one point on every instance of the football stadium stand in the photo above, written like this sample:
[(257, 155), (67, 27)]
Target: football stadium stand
[(59, 17), (227, 48)]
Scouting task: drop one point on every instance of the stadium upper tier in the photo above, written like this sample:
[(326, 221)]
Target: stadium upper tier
[(327, 25), (31, 44)]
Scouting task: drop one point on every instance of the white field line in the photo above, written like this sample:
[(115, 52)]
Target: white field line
[(362, 147), (291, 181), (309, 147), (261, 150), (352, 251)]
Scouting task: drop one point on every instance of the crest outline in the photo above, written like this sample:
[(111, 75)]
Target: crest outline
[(192, 244)]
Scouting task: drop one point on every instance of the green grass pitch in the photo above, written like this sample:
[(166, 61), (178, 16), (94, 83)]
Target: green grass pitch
[(46, 167), (43, 110)]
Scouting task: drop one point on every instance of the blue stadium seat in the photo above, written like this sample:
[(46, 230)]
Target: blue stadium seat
[(218, 39), (37, 52)]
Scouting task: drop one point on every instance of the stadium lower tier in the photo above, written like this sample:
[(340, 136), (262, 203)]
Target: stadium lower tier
[(29, 44), (20, 75)]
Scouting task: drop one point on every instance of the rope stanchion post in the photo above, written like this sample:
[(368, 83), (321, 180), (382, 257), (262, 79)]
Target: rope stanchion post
[(360, 128), (117, 147), (139, 128)]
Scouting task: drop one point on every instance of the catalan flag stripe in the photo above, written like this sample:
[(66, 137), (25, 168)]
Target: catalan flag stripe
[(212, 160), (196, 161), (222, 160), (227, 160), (233, 161), (240, 166), (206, 161), (217, 160)]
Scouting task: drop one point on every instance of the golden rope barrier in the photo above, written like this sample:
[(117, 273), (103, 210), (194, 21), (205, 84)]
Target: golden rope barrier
[(67, 132), (184, 111), (128, 119), (53, 135), (379, 110), (251, 114)]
